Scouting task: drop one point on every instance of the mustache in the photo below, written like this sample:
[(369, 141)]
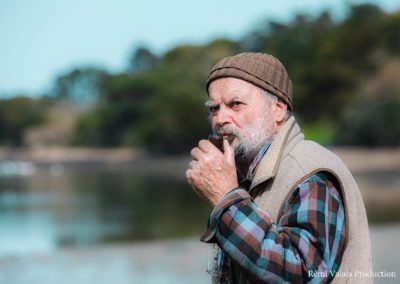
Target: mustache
[(227, 130)]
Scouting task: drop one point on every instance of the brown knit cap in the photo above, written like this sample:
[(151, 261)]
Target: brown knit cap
[(260, 69)]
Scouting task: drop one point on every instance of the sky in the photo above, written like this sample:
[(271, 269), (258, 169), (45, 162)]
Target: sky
[(43, 39)]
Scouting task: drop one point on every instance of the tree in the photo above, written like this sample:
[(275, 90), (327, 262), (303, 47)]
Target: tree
[(142, 60), (16, 115), (373, 118), (81, 85)]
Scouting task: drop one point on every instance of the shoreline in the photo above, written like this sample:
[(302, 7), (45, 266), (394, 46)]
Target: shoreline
[(375, 170), (356, 158)]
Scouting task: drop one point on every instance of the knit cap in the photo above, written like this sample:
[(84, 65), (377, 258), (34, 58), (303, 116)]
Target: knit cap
[(260, 69)]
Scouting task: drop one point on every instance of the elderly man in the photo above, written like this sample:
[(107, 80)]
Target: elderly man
[(285, 209)]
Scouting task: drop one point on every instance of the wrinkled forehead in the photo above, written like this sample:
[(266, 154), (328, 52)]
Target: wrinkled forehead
[(229, 87)]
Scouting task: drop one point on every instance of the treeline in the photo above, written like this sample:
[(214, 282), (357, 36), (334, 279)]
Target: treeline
[(345, 76)]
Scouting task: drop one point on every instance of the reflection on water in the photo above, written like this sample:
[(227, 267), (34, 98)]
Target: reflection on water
[(58, 205), (45, 207), (16, 168)]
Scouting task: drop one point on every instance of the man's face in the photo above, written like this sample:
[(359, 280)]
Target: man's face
[(242, 114)]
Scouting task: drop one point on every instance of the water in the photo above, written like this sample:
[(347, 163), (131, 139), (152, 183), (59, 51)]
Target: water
[(102, 223), (43, 208), (51, 206)]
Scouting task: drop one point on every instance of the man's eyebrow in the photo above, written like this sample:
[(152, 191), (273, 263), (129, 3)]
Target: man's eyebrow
[(236, 97), (210, 103)]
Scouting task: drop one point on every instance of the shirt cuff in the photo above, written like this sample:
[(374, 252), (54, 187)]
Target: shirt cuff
[(236, 195)]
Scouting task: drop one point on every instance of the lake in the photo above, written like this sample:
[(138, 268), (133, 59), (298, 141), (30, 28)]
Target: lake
[(43, 208), (139, 222)]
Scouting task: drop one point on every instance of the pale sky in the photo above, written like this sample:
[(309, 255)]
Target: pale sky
[(41, 39)]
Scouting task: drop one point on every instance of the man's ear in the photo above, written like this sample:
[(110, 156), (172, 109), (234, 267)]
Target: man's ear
[(280, 111)]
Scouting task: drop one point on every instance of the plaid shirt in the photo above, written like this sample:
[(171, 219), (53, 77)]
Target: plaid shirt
[(306, 245)]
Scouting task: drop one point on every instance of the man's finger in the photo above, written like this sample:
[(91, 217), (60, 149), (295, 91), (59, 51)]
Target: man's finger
[(196, 153), (192, 164), (206, 146), (188, 175), (229, 152)]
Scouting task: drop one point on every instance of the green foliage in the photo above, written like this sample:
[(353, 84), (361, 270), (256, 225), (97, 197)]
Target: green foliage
[(159, 108), (391, 33), (158, 103), (342, 94), (120, 109), (16, 115), (81, 85), (176, 126), (372, 121), (321, 131), (373, 117), (142, 60)]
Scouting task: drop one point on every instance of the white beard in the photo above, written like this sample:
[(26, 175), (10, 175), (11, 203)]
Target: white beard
[(247, 143)]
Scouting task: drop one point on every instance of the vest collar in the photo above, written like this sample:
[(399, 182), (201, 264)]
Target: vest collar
[(287, 137)]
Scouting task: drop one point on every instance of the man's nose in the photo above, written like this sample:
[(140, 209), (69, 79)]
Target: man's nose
[(222, 117)]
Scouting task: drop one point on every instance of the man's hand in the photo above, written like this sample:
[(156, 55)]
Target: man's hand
[(211, 173)]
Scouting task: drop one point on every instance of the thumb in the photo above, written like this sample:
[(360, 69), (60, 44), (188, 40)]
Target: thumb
[(229, 153)]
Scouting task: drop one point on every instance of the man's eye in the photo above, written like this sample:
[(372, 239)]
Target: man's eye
[(213, 108), (236, 103)]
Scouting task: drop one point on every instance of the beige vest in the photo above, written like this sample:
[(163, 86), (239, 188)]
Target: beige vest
[(290, 160)]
